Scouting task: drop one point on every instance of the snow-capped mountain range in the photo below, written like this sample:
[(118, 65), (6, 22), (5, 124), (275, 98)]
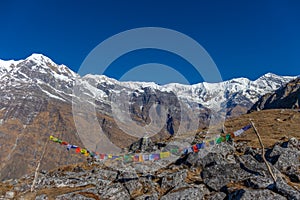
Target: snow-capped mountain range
[(53, 81)]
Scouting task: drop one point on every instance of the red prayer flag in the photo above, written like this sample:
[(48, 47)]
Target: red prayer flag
[(102, 156), (78, 150), (195, 148)]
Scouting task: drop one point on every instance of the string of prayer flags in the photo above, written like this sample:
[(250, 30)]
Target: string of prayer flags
[(155, 156)]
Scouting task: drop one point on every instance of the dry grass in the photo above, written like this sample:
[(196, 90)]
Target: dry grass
[(52, 193), (273, 126)]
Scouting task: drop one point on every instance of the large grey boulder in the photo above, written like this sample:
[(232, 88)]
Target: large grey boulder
[(287, 159), (259, 182), (217, 154), (218, 176), (247, 194), (114, 191), (286, 190), (153, 196), (189, 193), (133, 187), (172, 180), (217, 196), (73, 196)]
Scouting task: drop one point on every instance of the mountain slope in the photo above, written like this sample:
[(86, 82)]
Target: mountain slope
[(285, 97)]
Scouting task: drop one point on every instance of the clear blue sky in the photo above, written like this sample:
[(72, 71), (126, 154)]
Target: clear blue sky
[(244, 38)]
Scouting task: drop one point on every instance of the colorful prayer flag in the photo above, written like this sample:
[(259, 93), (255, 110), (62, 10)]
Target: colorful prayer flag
[(141, 158), (115, 157), (136, 158), (207, 144), (145, 157), (164, 154), (128, 158), (102, 156), (211, 142), (218, 140), (185, 151), (78, 150), (156, 156), (174, 150), (227, 138), (247, 127), (151, 157), (69, 147), (83, 151), (195, 148)]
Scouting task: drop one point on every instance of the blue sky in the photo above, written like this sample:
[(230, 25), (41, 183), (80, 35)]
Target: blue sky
[(244, 38)]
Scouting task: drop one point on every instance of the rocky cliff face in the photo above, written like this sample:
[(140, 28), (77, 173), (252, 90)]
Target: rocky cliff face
[(287, 96)]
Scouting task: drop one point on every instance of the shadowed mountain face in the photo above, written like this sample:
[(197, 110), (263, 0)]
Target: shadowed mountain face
[(287, 96), (36, 101)]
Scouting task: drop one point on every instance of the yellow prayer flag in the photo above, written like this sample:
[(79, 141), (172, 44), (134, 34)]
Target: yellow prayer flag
[(83, 151), (164, 154), (141, 158)]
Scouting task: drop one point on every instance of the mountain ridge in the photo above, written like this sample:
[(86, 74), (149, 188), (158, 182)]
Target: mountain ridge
[(236, 94), (40, 57)]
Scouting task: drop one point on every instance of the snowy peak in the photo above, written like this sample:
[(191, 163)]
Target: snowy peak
[(39, 59), (43, 62), (36, 75), (269, 75), (36, 62)]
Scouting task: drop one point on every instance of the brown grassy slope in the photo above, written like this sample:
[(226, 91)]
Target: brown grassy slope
[(273, 126), (21, 145)]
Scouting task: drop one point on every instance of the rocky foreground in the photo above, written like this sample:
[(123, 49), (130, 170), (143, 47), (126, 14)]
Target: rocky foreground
[(229, 171)]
